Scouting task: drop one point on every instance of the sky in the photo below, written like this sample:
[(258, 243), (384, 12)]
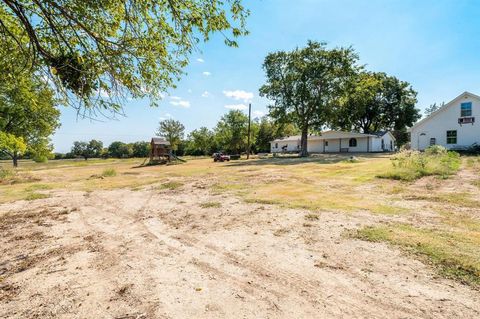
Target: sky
[(432, 44)]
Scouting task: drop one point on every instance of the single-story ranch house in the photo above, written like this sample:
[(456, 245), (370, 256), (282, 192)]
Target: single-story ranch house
[(337, 142), (452, 126)]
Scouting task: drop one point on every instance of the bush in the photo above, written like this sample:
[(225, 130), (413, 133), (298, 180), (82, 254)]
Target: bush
[(410, 165), (436, 150), (6, 174), (109, 172)]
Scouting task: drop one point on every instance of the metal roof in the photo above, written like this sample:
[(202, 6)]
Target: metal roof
[(160, 141)]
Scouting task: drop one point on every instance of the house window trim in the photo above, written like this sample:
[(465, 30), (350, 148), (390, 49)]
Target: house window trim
[(468, 112), (352, 142), (433, 141), (452, 139)]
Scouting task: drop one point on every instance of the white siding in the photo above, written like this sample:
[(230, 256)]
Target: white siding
[(388, 143), (292, 146), (447, 120), (361, 145), (315, 146)]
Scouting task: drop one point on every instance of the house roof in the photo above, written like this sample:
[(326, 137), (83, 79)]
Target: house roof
[(160, 141), (443, 108), (328, 135)]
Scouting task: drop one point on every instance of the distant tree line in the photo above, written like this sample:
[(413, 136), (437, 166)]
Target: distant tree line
[(95, 149), (229, 135)]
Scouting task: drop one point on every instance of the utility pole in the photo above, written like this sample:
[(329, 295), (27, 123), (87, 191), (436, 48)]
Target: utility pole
[(248, 138)]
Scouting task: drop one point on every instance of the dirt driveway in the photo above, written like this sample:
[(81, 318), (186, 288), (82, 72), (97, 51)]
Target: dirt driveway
[(190, 254)]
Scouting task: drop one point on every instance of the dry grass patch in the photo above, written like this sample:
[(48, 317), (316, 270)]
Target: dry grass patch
[(455, 254)]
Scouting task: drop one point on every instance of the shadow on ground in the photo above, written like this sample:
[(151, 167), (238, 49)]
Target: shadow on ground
[(315, 159)]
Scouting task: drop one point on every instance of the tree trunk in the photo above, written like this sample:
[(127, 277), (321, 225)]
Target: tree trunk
[(304, 143), (15, 159)]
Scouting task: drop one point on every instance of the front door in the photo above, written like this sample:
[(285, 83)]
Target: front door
[(423, 141)]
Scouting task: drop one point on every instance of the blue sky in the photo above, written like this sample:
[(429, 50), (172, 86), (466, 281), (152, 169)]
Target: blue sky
[(434, 45)]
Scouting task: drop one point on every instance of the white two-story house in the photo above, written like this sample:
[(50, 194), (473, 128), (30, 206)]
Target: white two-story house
[(452, 126)]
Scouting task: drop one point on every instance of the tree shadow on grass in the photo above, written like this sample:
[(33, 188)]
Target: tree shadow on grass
[(315, 159)]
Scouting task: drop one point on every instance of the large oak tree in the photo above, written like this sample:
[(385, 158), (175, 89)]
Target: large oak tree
[(375, 102), (304, 83)]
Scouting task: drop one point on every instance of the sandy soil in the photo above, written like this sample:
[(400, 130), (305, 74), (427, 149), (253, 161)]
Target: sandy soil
[(158, 254)]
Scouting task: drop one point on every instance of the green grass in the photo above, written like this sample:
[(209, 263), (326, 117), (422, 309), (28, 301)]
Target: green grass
[(109, 172), (172, 185), (454, 253), (412, 165), (34, 196), (211, 205)]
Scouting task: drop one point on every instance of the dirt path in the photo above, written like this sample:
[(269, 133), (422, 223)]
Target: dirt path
[(151, 254)]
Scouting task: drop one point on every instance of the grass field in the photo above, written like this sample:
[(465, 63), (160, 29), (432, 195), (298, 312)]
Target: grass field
[(435, 220)]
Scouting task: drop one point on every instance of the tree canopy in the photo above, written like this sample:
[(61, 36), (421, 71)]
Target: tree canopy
[(97, 53), (12, 145), (28, 111), (231, 132), (200, 142), (376, 102), (172, 131), (304, 83), (88, 150)]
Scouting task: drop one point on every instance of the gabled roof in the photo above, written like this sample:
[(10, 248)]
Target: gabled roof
[(160, 141), (443, 108)]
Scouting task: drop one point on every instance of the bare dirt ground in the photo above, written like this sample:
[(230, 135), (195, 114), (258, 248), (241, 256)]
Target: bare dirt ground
[(159, 254)]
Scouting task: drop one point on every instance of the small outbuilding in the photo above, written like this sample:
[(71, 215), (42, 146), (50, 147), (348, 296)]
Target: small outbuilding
[(160, 149)]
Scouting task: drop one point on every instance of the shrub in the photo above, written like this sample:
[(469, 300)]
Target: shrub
[(109, 172), (410, 165), (6, 174)]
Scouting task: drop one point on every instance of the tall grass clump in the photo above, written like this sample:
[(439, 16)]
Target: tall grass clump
[(410, 165), (109, 172), (6, 174)]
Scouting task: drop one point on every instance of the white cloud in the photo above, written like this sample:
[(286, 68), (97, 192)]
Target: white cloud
[(165, 117), (239, 95), (236, 106), (206, 73), (258, 113), (200, 60), (185, 104), (206, 94), (178, 101)]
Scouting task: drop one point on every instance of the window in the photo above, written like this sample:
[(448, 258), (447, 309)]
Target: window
[(326, 143), (433, 141), (466, 109), (276, 145), (352, 142), (391, 145), (451, 137)]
